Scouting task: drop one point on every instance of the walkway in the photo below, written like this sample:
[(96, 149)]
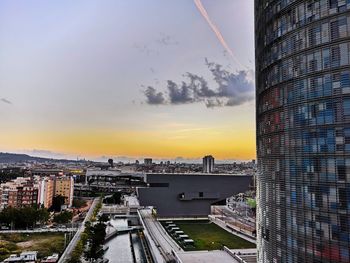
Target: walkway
[(69, 249), (40, 230), (162, 240)]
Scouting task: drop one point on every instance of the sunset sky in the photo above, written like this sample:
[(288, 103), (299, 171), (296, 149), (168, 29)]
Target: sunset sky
[(129, 78)]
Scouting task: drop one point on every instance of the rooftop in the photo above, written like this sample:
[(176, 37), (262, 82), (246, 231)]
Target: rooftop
[(205, 257), (198, 174)]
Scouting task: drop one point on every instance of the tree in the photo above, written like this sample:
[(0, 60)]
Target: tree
[(96, 239), (78, 203), (30, 217), (43, 215), (57, 203), (117, 197), (103, 218), (63, 217), (23, 217), (114, 199)]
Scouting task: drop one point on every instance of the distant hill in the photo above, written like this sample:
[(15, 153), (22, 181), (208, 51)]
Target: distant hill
[(17, 158)]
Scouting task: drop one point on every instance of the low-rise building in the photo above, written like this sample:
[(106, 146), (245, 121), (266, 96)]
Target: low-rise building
[(27, 256), (189, 195), (18, 193)]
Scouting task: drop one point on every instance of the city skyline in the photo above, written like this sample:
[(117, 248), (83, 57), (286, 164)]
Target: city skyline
[(93, 79)]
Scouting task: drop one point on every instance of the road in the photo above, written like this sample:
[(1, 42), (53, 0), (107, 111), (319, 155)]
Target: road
[(69, 249), (40, 230), (162, 240)]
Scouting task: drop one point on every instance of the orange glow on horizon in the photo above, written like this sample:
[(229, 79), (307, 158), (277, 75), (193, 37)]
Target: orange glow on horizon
[(188, 143)]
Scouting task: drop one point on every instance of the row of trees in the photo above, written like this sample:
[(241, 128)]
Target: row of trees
[(79, 203), (63, 217), (114, 199), (29, 216), (90, 244), (25, 217), (57, 203), (96, 235)]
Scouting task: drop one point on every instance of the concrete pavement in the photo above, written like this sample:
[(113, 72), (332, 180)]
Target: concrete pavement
[(160, 237)]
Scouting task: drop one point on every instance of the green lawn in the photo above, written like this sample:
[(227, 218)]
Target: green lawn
[(46, 244), (209, 236)]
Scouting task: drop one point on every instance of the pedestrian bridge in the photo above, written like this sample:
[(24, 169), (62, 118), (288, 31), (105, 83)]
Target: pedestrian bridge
[(118, 210), (121, 230)]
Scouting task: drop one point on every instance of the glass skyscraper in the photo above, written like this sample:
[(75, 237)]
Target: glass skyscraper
[(303, 130)]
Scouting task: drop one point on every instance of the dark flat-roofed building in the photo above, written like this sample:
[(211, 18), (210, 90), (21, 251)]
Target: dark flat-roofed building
[(189, 195)]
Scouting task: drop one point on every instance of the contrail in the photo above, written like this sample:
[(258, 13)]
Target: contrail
[(217, 32)]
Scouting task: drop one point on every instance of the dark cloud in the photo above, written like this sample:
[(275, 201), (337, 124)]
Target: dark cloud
[(180, 94), (212, 103), (232, 89), (146, 49), (166, 40), (5, 101), (199, 86), (154, 97)]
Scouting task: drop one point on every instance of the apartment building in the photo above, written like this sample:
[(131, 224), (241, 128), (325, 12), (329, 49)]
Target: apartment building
[(64, 186), (18, 193), (46, 191)]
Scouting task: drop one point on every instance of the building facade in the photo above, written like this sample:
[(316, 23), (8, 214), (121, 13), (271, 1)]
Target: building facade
[(18, 193), (189, 194), (208, 164), (148, 161), (303, 130), (64, 186), (46, 191)]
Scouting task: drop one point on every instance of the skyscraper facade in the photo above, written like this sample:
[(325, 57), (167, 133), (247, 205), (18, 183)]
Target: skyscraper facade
[(303, 130), (208, 164)]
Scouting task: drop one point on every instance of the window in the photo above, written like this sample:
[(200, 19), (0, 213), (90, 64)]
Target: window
[(334, 30), (346, 107), (159, 184), (335, 56), (342, 198), (341, 170)]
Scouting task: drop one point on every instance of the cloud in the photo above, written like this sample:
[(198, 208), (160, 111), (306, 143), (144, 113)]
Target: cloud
[(232, 89), (166, 40), (180, 94), (5, 101), (39, 152), (146, 49), (212, 103), (154, 97)]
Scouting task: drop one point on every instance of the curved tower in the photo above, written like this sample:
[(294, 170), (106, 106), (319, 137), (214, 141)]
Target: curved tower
[(303, 130)]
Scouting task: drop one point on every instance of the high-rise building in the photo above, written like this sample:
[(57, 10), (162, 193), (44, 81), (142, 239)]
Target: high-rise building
[(148, 161), (64, 186), (208, 164), (46, 191), (303, 130)]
